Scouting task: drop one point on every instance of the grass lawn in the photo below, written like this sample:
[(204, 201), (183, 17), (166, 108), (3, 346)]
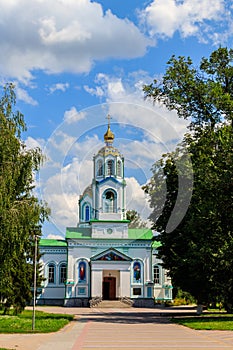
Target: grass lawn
[(45, 322), (207, 322)]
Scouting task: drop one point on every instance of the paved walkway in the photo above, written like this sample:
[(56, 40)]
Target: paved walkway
[(119, 329)]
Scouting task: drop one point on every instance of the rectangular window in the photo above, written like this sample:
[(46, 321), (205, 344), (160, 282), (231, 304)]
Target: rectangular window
[(137, 291), (156, 275), (51, 274), (110, 167), (62, 274)]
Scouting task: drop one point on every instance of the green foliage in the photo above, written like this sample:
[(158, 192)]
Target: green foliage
[(204, 94), (21, 213), (197, 251), (135, 219), (45, 322), (182, 298)]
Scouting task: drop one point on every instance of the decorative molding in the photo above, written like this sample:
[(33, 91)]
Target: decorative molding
[(54, 250), (108, 244)]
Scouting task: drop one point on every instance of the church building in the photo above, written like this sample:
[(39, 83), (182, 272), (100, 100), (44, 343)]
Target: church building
[(102, 258)]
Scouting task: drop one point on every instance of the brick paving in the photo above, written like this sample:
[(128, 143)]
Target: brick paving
[(123, 329)]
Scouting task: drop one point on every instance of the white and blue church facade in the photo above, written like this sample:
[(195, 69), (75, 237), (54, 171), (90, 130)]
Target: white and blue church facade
[(102, 258)]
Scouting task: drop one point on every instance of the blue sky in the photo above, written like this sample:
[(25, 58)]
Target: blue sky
[(75, 61)]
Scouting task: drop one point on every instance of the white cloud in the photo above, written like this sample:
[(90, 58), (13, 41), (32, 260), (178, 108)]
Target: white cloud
[(61, 142), (51, 236), (136, 198), (32, 143), (68, 36), (127, 105), (23, 95), (73, 116), (59, 87), (97, 91), (189, 17)]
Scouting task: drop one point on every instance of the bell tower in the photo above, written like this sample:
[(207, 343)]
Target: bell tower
[(102, 204), (108, 184)]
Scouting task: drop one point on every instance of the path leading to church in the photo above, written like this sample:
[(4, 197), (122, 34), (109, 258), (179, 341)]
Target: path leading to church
[(120, 329)]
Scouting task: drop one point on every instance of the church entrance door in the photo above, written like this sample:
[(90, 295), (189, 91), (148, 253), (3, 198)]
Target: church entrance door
[(109, 288)]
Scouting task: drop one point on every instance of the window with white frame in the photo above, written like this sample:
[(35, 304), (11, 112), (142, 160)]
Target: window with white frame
[(137, 272), (51, 273), (157, 274), (87, 212), (62, 273), (110, 167), (82, 272), (118, 168), (99, 167), (109, 203)]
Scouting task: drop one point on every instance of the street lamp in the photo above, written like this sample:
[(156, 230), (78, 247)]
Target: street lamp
[(34, 284)]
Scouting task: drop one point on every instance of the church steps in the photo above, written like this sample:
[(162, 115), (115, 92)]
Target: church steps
[(113, 304)]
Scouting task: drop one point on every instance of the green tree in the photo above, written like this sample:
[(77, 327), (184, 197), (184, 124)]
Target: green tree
[(20, 210), (135, 220), (203, 94), (198, 250)]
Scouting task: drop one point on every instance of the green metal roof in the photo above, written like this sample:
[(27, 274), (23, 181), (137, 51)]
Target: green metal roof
[(140, 233), (52, 242), (85, 233), (78, 232)]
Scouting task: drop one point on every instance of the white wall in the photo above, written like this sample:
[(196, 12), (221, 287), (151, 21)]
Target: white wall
[(96, 283), (53, 293), (125, 283)]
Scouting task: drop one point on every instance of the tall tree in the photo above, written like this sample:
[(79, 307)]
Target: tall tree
[(204, 94), (198, 250), (20, 210), (135, 219)]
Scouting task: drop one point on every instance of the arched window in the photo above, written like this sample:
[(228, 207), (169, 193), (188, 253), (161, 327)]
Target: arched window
[(62, 273), (110, 167), (87, 213), (156, 274), (51, 273), (118, 168), (137, 272), (109, 202), (99, 168), (82, 272)]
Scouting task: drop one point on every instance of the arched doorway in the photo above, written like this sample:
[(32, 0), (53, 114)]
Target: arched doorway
[(110, 201), (109, 288)]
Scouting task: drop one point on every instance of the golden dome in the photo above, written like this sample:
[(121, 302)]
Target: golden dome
[(109, 136), (106, 150)]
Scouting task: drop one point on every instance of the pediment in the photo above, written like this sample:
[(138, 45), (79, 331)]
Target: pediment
[(111, 255)]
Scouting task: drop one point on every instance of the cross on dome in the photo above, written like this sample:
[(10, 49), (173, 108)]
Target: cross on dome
[(109, 118), (108, 136)]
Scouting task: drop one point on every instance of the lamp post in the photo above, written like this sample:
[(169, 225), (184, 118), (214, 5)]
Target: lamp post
[(34, 285), (37, 229)]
